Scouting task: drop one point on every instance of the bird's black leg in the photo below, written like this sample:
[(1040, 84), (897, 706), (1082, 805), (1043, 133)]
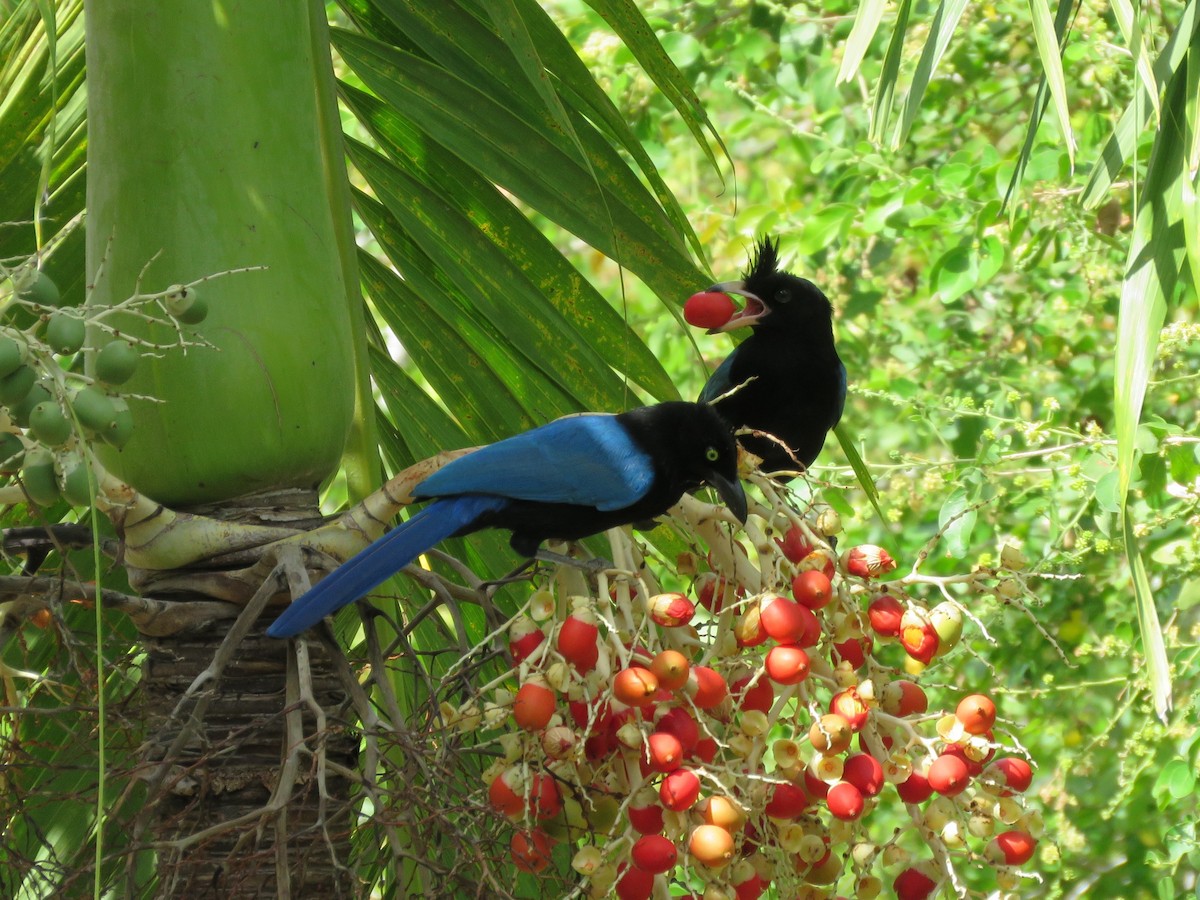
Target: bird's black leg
[(593, 566), (520, 573)]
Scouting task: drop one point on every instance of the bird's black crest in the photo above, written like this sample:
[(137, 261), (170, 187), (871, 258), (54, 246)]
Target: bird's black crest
[(765, 261)]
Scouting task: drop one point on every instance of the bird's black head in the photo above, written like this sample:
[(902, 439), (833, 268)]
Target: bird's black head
[(773, 297), (691, 445)]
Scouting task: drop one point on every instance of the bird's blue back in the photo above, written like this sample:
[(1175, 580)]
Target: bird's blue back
[(720, 381), (586, 460)]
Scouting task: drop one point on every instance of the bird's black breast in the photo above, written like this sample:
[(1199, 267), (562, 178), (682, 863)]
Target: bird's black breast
[(796, 395)]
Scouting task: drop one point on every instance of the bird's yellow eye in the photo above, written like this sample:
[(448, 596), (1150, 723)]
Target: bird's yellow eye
[(712, 454)]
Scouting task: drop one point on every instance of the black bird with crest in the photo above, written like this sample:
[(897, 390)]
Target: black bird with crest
[(791, 384)]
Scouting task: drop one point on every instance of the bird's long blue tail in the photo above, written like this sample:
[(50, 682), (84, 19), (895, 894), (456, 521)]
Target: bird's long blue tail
[(388, 555)]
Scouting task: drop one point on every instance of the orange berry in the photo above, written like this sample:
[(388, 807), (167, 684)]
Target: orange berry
[(722, 811), (671, 669), (711, 845), (977, 713), (831, 735), (534, 705), (530, 850), (635, 686)]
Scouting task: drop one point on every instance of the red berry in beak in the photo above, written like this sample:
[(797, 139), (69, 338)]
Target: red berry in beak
[(708, 309)]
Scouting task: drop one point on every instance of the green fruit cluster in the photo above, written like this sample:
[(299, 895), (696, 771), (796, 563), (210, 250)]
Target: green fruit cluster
[(38, 420)]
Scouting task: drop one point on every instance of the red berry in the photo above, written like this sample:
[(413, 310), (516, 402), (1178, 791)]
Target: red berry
[(706, 750), (750, 889), (812, 589), (915, 790), (544, 798), (913, 699), (912, 884), (530, 850), (654, 853), (812, 629), (533, 706), (706, 686), (646, 819), (864, 772), (577, 639), (795, 545), (635, 884), (781, 618), (670, 610), (679, 722), (665, 752), (710, 591), (948, 775), (845, 801), (679, 789), (708, 309), (760, 697), (851, 707), (502, 796), (787, 664), (1013, 848), (786, 801), (581, 711), (885, 613), (1013, 772), (917, 636), (977, 713), (974, 766), (853, 651), (523, 638), (868, 561), (815, 786)]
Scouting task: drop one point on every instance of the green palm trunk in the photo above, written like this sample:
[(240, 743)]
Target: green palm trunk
[(209, 151)]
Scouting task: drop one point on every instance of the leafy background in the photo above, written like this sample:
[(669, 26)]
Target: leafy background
[(975, 240)]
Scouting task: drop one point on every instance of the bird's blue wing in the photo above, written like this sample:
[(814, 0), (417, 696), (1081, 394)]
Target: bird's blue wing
[(720, 381), (381, 559), (587, 460)]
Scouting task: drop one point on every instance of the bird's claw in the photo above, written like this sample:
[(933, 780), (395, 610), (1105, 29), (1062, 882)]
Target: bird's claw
[(593, 566)]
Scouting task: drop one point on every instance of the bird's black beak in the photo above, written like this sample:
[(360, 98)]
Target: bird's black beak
[(754, 309), (731, 492)]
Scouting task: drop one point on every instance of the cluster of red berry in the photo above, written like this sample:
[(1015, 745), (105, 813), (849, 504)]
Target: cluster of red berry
[(750, 742)]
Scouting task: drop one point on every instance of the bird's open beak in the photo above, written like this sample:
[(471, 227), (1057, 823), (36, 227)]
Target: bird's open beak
[(753, 310), (731, 492)]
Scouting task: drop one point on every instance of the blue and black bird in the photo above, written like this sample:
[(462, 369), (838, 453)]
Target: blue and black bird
[(798, 389), (571, 478)]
